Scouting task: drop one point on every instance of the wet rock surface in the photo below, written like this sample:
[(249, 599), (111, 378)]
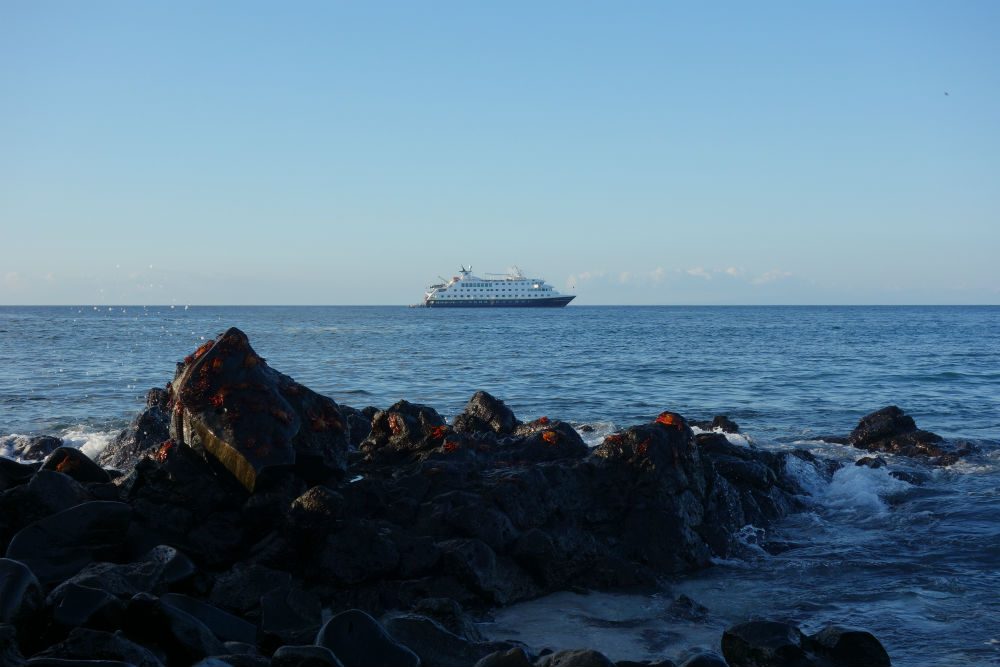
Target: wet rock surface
[(892, 431), (250, 509)]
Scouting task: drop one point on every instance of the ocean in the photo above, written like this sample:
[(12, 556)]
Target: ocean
[(917, 565)]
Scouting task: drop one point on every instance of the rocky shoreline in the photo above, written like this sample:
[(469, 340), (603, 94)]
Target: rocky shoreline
[(243, 519)]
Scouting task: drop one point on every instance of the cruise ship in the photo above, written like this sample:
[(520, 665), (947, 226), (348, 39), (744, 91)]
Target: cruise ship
[(509, 290)]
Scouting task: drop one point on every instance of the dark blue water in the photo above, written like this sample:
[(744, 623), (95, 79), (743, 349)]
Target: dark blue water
[(916, 565)]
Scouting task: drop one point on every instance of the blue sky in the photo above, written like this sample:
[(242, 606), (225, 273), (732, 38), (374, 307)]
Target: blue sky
[(342, 153)]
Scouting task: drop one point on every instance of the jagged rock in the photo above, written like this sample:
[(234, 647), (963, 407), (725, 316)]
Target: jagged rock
[(515, 657), (230, 405), (60, 545), (892, 431), (183, 638), (144, 435), (449, 613), (241, 589), (764, 644), (719, 422), (478, 567), (305, 656), (849, 647), (574, 658), (36, 447), (359, 425), (436, 645), (76, 464), (154, 573), (358, 640), (484, 412), (14, 474), (359, 551), (85, 644), (223, 625), (402, 429)]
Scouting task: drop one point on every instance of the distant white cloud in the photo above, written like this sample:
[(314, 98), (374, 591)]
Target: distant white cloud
[(771, 276), (12, 279), (734, 272), (699, 272)]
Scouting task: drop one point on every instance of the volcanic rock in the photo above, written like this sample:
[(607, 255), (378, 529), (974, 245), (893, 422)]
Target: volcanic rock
[(76, 464), (849, 647), (358, 640), (13, 473), (305, 656), (892, 431), (182, 637), (575, 658), (60, 545), (20, 593), (764, 644), (230, 405), (95, 645), (436, 645), (484, 412), (36, 447), (144, 435)]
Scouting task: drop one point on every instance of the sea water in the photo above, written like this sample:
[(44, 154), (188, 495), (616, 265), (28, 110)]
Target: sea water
[(915, 564)]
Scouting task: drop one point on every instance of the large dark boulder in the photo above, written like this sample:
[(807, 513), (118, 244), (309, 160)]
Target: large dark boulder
[(225, 626), (13, 473), (849, 647), (86, 644), (765, 644), (10, 652), (20, 593), (892, 431), (76, 464), (72, 605), (401, 430), (485, 412), (144, 435), (154, 573), (230, 405), (182, 637), (358, 640), (241, 589), (436, 645), (60, 545)]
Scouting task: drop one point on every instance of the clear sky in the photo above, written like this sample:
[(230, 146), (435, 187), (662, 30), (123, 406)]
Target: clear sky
[(639, 152)]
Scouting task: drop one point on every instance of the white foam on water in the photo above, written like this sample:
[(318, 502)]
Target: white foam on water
[(9, 444), (739, 439), (595, 437), (87, 440), (856, 489)]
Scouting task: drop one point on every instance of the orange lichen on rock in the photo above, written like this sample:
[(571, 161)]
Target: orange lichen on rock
[(218, 398), (614, 439), (543, 420), (395, 424), (320, 421), (251, 360), (164, 450), (670, 419), (450, 446), (643, 447), (550, 437), (67, 464), (202, 349), (438, 432)]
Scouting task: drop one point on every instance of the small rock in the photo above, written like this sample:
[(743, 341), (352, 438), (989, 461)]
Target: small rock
[(85, 644), (763, 644), (575, 658), (225, 626), (291, 615), (183, 638)]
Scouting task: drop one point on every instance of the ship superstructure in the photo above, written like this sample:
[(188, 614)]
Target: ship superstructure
[(511, 290)]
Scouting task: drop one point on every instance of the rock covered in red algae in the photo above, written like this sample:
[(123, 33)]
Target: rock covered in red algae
[(227, 403)]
